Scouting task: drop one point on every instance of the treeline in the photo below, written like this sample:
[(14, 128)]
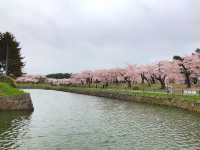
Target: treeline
[(59, 75), (179, 70)]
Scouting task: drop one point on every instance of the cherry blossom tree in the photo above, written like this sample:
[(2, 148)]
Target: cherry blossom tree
[(173, 73), (146, 74), (181, 69), (195, 66), (116, 75), (189, 66), (31, 79), (160, 72), (185, 68), (102, 76), (85, 77), (130, 75)]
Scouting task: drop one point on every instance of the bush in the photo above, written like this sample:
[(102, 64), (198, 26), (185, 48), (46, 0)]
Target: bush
[(135, 88), (8, 80)]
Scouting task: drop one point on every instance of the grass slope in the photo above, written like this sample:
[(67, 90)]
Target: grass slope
[(7, 90)]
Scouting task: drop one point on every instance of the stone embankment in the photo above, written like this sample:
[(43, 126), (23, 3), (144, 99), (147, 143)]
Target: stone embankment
[(171, 102), (18, 102)]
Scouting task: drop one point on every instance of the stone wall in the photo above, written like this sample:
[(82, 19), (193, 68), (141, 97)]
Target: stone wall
[(19, 102)]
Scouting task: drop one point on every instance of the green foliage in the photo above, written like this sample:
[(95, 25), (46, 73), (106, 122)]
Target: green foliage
[(7, 90), (59, 75), (8, 80), (177, 58), (197, 50), (10, 50)]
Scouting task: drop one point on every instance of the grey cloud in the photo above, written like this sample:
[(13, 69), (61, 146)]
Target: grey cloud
[(63, 36)]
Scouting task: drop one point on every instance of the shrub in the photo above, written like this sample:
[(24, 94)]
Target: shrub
[(7, 79), (135, 88)]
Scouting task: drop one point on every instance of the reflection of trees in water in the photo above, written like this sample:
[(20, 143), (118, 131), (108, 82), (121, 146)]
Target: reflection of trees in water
[(12, 126)]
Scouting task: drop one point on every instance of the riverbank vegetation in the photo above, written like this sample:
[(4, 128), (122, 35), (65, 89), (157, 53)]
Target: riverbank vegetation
[(8, 80), (7, 90), (110, 90), (8, 86)]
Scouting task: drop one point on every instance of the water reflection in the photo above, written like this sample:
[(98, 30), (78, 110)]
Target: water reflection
[(78, 122), (13, 126)]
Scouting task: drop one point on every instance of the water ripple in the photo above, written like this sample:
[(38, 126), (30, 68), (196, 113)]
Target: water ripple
[(71, 121)]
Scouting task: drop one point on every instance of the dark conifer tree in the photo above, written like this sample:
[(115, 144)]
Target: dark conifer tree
[(10, 50)]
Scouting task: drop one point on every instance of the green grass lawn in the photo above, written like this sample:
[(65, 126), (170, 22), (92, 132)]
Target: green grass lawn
[(7, 90)]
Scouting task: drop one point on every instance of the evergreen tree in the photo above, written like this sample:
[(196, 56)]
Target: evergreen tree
[(10, 55)]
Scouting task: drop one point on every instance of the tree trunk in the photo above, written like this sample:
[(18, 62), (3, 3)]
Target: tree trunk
[(129, 84), (187, 74), (153, 81), (188, 80), (161, 80), (163, 86), (142, 77)]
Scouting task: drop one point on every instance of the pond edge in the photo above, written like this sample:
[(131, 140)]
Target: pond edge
[(171, 101)]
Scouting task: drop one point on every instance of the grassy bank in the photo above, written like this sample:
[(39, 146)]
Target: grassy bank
[(114, 91), (7, 90), (191, 103)]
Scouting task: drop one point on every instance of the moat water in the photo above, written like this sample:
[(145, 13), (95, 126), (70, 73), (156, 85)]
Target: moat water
[(66, 121)]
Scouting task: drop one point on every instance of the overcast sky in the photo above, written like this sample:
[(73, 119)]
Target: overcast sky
[(74, 35)]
